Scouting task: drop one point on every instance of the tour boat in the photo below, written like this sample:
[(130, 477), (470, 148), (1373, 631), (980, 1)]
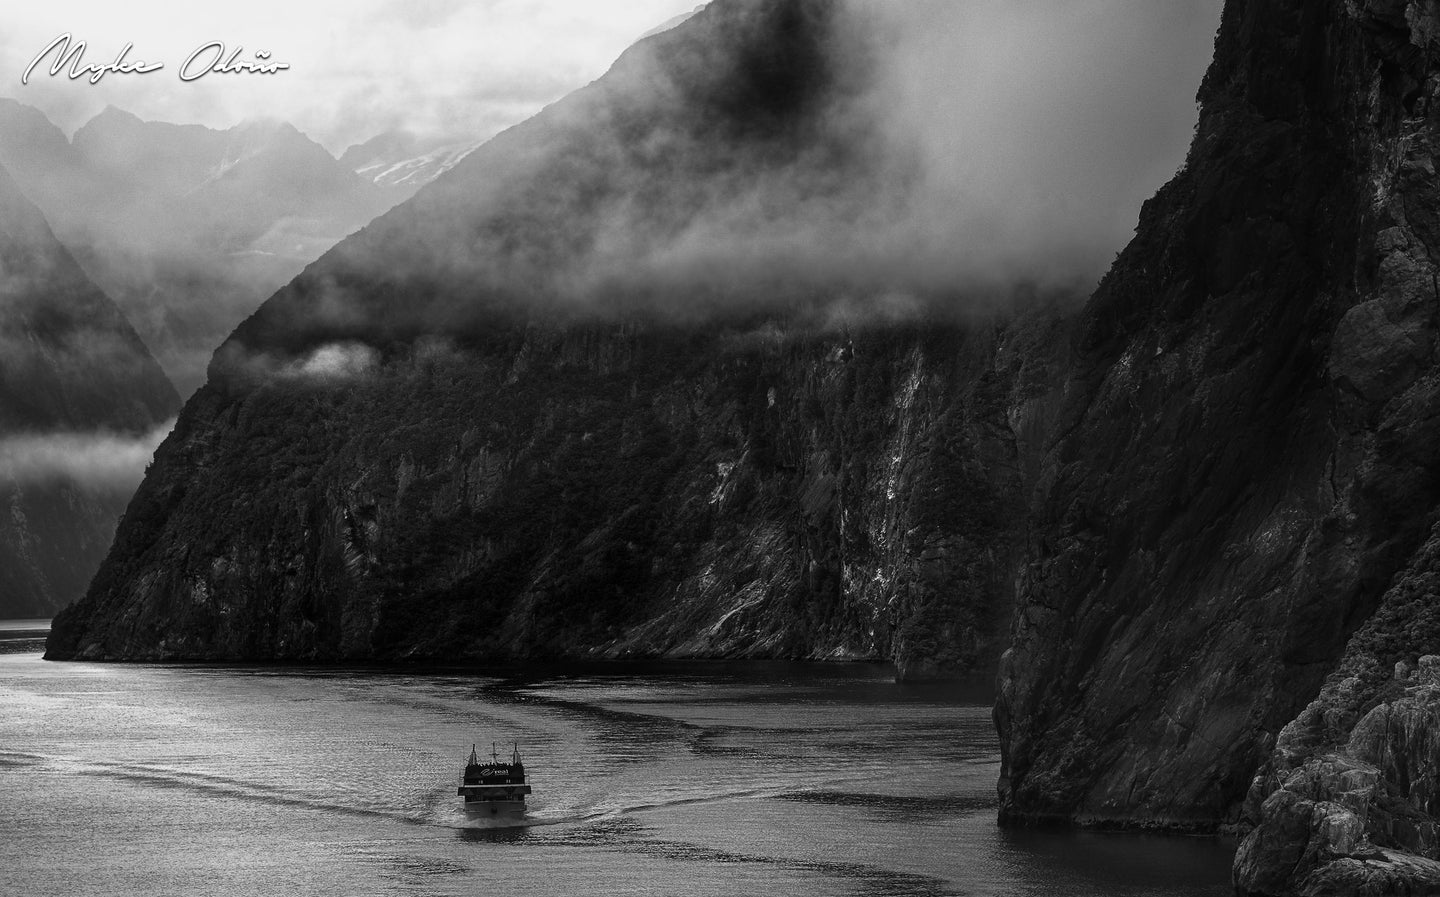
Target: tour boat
[(494, 790)]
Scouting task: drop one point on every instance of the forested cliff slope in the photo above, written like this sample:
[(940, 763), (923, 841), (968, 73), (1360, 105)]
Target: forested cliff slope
[(596, 392)]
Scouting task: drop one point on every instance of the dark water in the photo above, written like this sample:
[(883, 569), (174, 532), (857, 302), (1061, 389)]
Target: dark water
[(763, 779)]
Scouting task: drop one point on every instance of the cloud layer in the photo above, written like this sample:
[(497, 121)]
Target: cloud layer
[(92, 460), (961, 148)]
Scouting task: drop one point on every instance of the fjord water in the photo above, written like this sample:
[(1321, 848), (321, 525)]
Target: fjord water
[(675, 779)]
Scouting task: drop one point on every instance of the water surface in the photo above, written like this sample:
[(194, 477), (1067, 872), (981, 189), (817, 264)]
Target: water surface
[(694, 779)]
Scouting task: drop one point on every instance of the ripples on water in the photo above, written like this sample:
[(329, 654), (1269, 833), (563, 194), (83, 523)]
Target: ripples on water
[(694, 779)]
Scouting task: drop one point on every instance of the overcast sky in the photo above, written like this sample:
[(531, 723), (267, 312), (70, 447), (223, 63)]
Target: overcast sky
[(357, 66), (473, 67)]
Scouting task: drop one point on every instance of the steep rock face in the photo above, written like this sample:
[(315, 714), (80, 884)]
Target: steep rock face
[(532, 413), (53, 536), (70, 367), (1246, 451)]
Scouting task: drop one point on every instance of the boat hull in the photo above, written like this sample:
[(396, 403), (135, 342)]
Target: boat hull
[(494, 809)]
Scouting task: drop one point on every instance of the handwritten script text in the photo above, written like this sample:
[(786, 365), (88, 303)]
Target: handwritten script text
[(210, 57)]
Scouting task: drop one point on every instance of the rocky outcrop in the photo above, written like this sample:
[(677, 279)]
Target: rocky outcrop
[(1347, 802), (1360, 818), (1246, 452)]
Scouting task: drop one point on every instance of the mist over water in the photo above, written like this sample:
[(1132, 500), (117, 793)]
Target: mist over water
[(683, 779)]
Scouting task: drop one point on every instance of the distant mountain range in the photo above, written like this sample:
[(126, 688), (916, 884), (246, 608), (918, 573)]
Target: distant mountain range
[(77, 388), (190, 228)]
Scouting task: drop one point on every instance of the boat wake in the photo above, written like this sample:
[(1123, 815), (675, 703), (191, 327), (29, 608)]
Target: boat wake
[(546, 818), (203, 783), (437, 807)]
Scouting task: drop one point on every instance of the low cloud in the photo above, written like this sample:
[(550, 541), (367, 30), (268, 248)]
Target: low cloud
[(984, 145), (92, 460), (960, 151), (333, 363), (336, 361)]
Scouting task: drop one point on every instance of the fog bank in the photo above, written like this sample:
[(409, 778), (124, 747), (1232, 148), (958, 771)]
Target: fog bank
[(91, 460)]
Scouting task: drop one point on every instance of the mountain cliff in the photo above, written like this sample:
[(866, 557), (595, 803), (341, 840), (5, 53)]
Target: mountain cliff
[(583, 396), (1245, 462), (533, 411), (72, 370)]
